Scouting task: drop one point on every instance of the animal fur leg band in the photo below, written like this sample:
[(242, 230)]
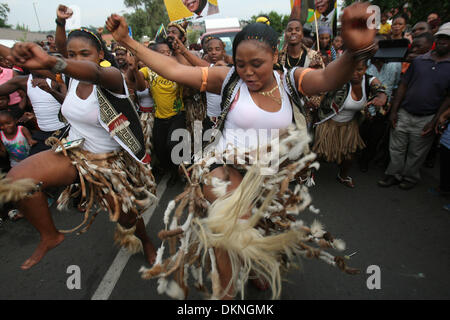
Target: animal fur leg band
[(13, 191), (125, 238)]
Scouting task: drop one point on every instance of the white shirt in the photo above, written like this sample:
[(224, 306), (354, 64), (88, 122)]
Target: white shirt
[(213, 103), (350, 106), (247, 126), (209, 9), (45, 107), (83, 116)]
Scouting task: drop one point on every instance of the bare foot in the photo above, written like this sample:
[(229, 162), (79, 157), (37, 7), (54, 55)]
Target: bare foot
[(41, 250), (149, 252)]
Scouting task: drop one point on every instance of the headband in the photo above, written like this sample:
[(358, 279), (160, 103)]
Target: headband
[(178, 27), (120, 48), (89, 32)]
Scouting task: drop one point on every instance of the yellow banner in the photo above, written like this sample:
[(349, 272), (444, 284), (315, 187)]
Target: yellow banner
[(176, 10), (181, 9)]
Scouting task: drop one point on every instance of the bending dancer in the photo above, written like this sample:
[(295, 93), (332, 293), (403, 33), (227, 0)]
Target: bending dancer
[(254, 96), (98, 109), (337, 136)]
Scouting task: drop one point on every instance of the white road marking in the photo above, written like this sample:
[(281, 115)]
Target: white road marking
[(114, 272)]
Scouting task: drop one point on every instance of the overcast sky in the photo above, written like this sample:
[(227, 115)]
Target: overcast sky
[(94, 12)]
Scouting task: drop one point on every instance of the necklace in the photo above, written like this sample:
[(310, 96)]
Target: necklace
[(296, 64), (270, 94), (298, 59)]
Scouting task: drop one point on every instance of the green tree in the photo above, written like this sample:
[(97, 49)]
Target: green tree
[(277, 22), (147, 17), (4, 11), (419, 9)]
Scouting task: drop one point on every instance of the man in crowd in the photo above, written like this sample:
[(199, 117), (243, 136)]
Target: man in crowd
[(423, 91)]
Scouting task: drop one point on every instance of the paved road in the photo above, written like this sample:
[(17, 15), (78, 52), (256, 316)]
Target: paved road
[(404, 233)]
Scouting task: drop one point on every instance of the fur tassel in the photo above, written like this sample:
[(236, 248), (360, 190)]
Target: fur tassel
[(339, 244), (12, 191), (215, 279), (163, 285), (125, 238), (219, 187), (174, 291), (317, 229)]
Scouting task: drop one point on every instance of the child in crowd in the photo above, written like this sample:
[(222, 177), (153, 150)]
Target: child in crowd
[(15, 142), (337, 47), (325, 43)]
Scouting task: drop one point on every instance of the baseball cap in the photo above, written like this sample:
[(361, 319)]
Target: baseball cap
[(444, 30)]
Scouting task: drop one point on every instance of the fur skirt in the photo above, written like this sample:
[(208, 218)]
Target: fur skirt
[(260, 224), (337, 141)]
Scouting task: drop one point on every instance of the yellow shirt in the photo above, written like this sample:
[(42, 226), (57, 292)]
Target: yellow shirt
[(385, 28), (166, 94)]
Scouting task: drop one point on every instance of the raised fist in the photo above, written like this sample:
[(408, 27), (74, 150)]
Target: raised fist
[(355, 31), (63, 12)]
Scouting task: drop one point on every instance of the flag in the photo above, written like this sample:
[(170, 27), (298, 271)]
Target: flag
[(160, 30)]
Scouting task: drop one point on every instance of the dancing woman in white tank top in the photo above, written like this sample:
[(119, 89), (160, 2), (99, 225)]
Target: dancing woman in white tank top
[(261, 100), (123, 195)]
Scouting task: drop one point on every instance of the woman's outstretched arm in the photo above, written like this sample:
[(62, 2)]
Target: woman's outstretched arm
[(32, 57), (163, 65)]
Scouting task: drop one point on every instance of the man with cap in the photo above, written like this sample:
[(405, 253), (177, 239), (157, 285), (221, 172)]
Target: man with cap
[(423, 94)]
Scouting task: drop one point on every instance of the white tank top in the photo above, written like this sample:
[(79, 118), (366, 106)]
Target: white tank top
[(145, 99), (83, 116), (350, 106), (213, 103), (246, 123), (45, 107)]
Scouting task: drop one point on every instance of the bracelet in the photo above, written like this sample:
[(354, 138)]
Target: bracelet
[(59, 66), (59, 23), (363, 54)]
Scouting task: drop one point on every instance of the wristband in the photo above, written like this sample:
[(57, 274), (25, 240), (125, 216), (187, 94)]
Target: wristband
[(59, 66), (363, 54), (59, 23)]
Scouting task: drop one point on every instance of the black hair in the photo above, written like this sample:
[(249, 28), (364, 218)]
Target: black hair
[(427, 36), (295, 19), (400, 16), (159, 41), (213, 38), (201, 5), (257, 31), (95, 39), (8, 113)]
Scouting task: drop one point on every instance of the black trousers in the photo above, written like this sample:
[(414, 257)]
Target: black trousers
[(162, 142), (373, 132), (41, 136), (445, 169)]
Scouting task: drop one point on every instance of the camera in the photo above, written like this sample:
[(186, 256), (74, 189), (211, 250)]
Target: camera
[(392, 50)]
